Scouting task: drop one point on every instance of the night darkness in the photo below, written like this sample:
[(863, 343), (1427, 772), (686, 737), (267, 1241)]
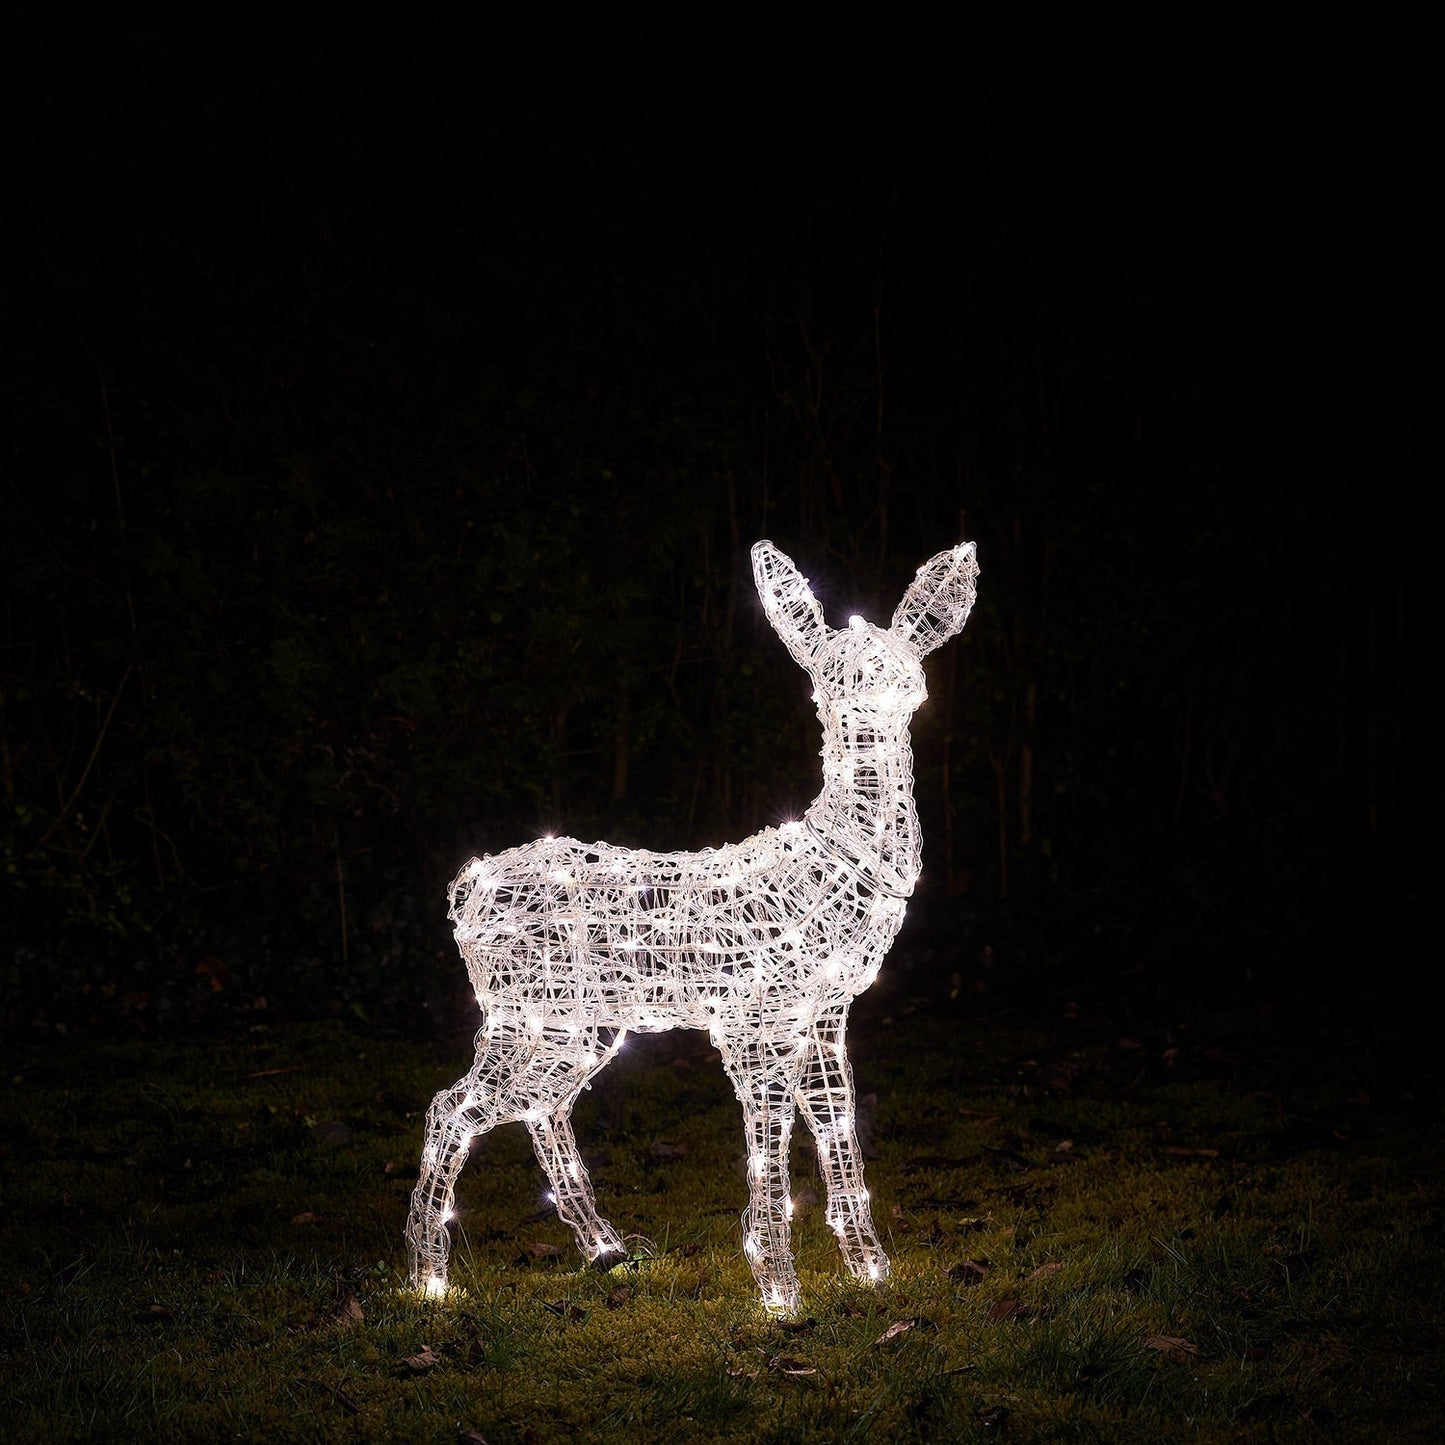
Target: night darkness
[(388, 415), (389, 407)]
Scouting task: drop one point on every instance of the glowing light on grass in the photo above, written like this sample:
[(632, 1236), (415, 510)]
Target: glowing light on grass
[(764, 943)]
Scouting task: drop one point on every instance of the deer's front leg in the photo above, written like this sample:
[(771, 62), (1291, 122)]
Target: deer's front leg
[(565, 1059), (556, 1148), (825, 1093), (492, 1092), (455, 1117), (764, 1075)]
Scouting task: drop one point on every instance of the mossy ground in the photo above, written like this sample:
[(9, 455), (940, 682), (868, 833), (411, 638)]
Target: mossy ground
[(1094, 1236)]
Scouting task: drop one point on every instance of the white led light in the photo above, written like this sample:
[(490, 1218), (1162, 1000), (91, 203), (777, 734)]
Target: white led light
[(764, 943)]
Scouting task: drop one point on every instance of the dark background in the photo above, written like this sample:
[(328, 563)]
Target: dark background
[(389, 408)]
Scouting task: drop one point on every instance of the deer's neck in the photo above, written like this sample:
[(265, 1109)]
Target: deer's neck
[(866, 811)]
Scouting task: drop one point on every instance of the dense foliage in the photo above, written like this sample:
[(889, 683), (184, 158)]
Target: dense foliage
[(386, 447)]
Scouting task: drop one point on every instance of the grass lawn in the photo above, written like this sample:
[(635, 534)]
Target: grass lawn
[(1177, 1235)]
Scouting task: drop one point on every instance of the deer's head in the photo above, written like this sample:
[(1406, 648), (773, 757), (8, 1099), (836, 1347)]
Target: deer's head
[(862, 669)]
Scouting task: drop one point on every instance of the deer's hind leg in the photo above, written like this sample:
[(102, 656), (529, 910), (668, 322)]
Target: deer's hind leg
[(825, 1094), (764, 1074), (562, 1073)]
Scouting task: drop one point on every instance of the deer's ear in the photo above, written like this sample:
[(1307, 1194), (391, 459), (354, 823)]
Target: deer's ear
[(938, 599), (789, 603)]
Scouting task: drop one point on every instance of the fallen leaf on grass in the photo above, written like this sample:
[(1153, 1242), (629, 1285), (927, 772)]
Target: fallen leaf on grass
[(789, 1365), (664, 1149), (471, 1437), (900, 1327), (936, 1235), (797, 1327), (1007, 1309), (1180, 1152), (305, 1217), (1171, 1346), (969, 1271), (349, 1312), (1045, 1270), (538, 1250), (981, 1119), (1299, 1262), (152, 1315), (425, 1359), (618, 1297)]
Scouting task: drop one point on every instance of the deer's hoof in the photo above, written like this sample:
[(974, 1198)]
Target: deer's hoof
[(434, 1285), (782, 1303)]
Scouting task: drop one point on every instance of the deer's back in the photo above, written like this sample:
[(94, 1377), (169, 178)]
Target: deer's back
[(658, 940)]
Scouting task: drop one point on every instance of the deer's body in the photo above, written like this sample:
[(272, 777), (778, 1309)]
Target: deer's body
[(764, 943)]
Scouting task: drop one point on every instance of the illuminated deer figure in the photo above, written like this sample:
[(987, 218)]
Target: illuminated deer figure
[(764, 943)]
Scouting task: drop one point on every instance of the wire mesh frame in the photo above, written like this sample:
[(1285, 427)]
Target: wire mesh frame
[(764, 943)]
